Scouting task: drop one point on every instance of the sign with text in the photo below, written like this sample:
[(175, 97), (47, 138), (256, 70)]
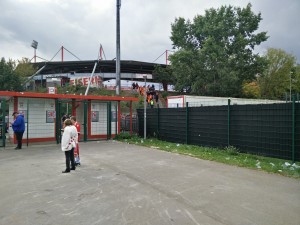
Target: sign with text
[(84, 81), (50, 116), (95, 116)]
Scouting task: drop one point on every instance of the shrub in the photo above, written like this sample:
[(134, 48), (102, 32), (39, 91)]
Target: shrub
[(231, 150)]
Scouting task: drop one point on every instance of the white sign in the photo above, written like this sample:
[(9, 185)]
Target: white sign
[(52, 90), (141, 76)]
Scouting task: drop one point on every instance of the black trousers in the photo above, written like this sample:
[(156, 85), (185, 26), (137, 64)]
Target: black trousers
[(19, 136), (70, 158)]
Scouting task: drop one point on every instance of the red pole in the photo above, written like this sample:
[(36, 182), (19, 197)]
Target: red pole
[(62, 53)]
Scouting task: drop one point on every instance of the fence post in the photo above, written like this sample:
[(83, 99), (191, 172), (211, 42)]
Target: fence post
[(4, 121), (130, 119), (228, 122), (187, 122), (157, 121), (117, 119), (108, 136), (57, 121), (27, 127), (293, 128), (85, 113)]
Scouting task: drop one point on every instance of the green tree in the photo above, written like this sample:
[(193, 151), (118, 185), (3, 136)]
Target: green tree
[(9, 80), (164, 75), (24, 68), (215, 52), (295, 79), (275, 81), (251, 90)]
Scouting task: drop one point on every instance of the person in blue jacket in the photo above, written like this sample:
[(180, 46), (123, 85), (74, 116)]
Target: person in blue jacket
[(18, 127)]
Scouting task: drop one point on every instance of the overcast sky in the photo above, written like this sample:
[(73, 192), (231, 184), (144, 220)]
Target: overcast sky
[(82, 25)]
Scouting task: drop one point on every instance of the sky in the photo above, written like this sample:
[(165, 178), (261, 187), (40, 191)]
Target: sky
[(81, 26)]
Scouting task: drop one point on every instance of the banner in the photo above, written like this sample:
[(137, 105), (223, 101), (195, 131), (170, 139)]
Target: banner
[(84, 81)]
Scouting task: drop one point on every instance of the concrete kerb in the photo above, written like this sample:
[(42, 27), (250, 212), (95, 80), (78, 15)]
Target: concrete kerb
[(119, 183)]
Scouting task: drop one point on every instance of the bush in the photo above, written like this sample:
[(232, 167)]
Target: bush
[(164, 94), (231, 150), (122, 136)]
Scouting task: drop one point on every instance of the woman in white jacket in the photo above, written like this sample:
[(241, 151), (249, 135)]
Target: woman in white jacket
[(68, 143)]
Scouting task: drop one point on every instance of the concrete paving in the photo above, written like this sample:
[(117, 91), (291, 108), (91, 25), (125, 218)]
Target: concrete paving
[(120, 184)]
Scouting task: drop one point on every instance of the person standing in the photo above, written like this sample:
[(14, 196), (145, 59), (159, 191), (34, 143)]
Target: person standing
[(151, 103), (68, 143), (76, 150), (18, 126)]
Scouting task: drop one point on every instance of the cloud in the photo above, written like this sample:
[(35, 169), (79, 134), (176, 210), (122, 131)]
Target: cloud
[(81, 26)]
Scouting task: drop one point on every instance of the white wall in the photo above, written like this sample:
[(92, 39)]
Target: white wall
[(196, 101)]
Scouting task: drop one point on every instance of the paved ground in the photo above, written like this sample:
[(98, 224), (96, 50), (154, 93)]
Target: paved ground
[(127, 184)]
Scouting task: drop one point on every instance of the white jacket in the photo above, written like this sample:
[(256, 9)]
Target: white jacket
[(69, 138)]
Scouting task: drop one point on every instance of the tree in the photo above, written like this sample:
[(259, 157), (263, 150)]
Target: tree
[(9, 80), (251, 90), (24, 69), (215, 52), (295, 76), (164, 75), (275, 81)]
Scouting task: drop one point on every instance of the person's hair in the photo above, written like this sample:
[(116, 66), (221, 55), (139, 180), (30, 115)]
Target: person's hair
[(73, 118), (68, 122)]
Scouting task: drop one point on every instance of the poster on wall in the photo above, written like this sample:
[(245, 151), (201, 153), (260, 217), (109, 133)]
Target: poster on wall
[(50, 116), (113, 116), (24, 113), (95, 116)]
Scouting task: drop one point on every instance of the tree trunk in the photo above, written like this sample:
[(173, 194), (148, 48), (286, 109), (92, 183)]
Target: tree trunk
[(165, 86)]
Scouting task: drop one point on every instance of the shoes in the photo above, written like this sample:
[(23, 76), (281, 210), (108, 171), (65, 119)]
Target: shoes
[(66, 171), (17, 148), (73, 168)]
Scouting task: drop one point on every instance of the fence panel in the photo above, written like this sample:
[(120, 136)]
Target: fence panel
[(297, 131), (125, 123), (152, 122), (208, 126), (172, 125), (262, 129), (265, 129), (39, 115)]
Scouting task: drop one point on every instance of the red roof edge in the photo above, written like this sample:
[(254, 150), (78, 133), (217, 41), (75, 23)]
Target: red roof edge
[(66, 96)]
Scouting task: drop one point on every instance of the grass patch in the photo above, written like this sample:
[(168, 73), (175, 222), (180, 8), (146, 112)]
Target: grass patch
[(229, 155)]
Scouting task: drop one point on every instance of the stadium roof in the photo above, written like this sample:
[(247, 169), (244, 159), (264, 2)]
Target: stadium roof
[(104, 66)]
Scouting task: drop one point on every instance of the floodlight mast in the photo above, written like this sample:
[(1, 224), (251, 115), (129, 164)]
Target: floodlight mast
[(34, 44), (118, 67)]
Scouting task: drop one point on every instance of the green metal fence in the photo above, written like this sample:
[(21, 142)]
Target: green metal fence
[(96, 124), (3, 122), (266, 129), (43, 119)]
